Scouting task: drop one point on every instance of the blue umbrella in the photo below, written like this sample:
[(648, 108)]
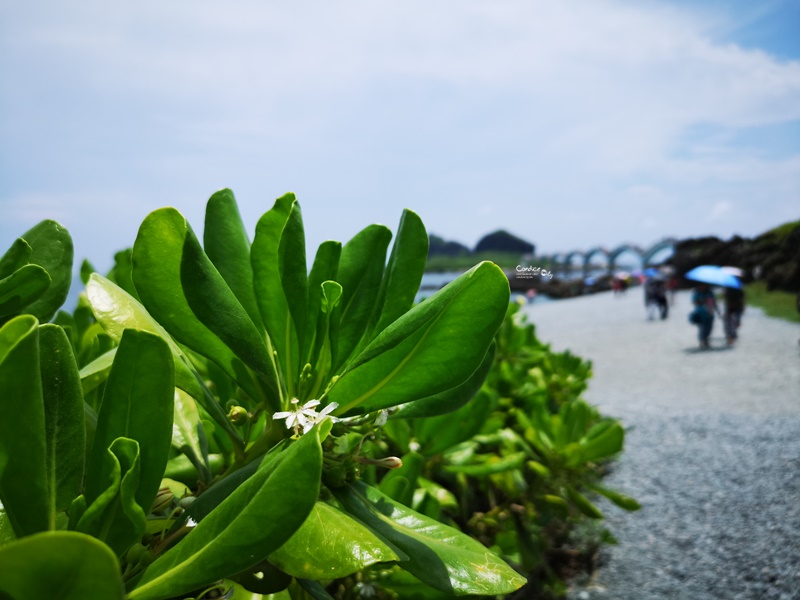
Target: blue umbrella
[(651, 272), (714, 276)]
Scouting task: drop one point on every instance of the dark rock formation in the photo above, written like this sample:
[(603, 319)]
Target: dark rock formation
[(440, 246), (502, 241)]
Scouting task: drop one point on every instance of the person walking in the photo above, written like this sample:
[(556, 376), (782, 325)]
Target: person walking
[(732, 317), (705, 306)]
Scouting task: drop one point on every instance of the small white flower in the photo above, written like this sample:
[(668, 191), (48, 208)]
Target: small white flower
[(190, 522), (305, 417)]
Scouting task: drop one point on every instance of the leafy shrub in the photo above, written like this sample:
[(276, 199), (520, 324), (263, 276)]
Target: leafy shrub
[(175, 435)]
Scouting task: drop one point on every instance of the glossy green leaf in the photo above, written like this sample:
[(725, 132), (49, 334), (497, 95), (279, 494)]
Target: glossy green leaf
[(23, 482), (65, 430), (443, 496), (122, 273), (20, 289), (266, 255), (424, 351), (226, 243), (444, 403), (330, 544), (59, 565), (360, 273), (186, 431), (184, 292), (256, 519), (137, 404), (323, 354), (16, 257), (437, 434), (325, 268), (440, 556), (51, 247), (403, 273), (405, 585), (293, 270), (7, 534), (113, 514), (96, 372), (116, 310)]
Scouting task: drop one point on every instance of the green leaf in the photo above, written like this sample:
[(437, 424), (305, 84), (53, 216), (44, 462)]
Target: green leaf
[(444, 403), (22, 288), (6, 530), (96, 372), (437, 434), (65, 430), (494, 465), (330, 544), (292, 264), (268, 257), (51, 247), (184, 292), (137, 404), (323, 353), (86, 271), (621, 500), (116, 311), (360, 272), (186, 428), (122, 273), (434, 347), (325, 268), (23, 481), (113, 514), (440, 556), (256, 519), (583, 504), (226, 243), (59, 565), (16, 257), (403, 273), (405, 585), (608, 443)]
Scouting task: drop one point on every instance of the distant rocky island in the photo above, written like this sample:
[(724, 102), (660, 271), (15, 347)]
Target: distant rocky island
[(772, 257)]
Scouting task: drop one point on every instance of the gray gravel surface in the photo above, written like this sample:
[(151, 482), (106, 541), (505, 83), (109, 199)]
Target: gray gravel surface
[(712, 449)]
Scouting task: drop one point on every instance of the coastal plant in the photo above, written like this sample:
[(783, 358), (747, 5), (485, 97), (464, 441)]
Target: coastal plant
[(200, 424), (518, 467)]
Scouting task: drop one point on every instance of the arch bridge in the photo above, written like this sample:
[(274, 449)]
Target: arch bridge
[(564, 261)]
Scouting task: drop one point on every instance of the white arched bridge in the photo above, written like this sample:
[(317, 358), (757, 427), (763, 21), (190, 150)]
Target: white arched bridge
[(566, 260)]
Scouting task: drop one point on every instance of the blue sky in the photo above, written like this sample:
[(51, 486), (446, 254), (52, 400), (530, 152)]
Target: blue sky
[(572, 124)]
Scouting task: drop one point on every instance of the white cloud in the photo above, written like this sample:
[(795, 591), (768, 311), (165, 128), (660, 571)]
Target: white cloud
[(587, 106)]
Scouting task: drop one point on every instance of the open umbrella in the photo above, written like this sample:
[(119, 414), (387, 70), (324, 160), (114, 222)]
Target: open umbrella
[(651, 272), (733, 271), (713, 276)]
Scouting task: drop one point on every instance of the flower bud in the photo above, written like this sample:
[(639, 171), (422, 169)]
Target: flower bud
[(163, 500), (238, 415), (390, 462)]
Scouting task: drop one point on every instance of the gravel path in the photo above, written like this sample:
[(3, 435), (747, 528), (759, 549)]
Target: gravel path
[(712, 449)]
